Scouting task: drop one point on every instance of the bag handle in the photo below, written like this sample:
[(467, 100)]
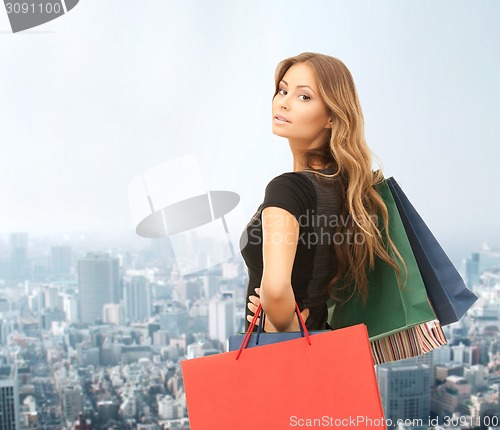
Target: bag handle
[(248, 334), (262, 321)]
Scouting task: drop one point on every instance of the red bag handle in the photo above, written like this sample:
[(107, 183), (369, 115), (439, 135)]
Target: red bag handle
[(248, 334)]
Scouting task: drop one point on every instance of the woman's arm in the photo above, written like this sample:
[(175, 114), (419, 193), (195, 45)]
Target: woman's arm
[(280, 233), (253, 304)]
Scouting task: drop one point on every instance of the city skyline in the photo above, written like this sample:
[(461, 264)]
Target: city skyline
[(187, 317), (426, 79)]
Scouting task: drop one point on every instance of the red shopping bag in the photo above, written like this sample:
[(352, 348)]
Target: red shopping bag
[(326, 380)]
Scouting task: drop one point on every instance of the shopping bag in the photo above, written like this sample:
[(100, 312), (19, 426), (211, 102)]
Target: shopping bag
[(262, 338), (388, 309), (446, 289), (325, 380), (411, 342)]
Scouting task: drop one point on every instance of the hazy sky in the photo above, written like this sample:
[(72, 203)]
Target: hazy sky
[(113, 88)]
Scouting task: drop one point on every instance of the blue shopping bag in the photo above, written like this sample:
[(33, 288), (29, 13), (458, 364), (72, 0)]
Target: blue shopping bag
[(447, 292)]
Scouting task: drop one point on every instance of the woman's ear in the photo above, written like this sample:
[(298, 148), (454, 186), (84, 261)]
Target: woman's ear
[(329, 124)]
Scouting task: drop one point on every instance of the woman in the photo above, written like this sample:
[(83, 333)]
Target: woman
[(319, 227)]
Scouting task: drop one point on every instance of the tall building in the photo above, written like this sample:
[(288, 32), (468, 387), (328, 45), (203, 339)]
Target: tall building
[(4, 305), (72, 402), (19, 264), (472, 270), (70, 307), (459, 353), (137, 297), (98, 284), (198, 316), (9, 399), (479, 262), (212, 281), (169, 408), (442, 354), (221, 322), (175, 319), (52, 299), (405, 390), (8, 324), (88, 355), (452, 396), (477, 375), (60, 260)]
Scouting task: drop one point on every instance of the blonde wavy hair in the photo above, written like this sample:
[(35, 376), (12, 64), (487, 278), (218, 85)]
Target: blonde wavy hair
[(346, 150)]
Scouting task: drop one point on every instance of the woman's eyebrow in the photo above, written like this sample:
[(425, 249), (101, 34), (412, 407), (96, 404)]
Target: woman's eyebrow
[(299, 86)]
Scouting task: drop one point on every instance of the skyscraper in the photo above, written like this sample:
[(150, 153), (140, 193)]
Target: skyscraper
[(137, 297), (221, 318), (9, 399), (70, 307), (405, 390), (52, 298), (98, 284), (71, 402), (175, 319), (19, 256), (60, 260), (472, 270)]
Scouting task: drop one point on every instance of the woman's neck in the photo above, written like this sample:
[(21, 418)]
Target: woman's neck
[(299, 164), (298, 152)]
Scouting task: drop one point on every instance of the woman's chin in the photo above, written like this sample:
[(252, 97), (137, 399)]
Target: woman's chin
[(278, 132)]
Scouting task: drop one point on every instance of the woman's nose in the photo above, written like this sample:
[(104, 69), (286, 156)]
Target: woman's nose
[(284, 103)]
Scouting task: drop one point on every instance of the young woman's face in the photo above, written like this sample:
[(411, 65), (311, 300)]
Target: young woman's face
[(299, 112)]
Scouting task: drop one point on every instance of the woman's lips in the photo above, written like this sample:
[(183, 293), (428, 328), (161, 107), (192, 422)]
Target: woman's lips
[(280, 119)]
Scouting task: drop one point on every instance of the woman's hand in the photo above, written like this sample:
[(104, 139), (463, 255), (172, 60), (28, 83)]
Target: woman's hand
[(254, 302)]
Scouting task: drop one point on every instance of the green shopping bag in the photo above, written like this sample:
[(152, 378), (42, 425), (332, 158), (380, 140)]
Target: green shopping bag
[(388, 308)]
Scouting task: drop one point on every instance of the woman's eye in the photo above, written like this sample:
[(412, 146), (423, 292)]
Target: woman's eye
[(304, 98), (282, 92)]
